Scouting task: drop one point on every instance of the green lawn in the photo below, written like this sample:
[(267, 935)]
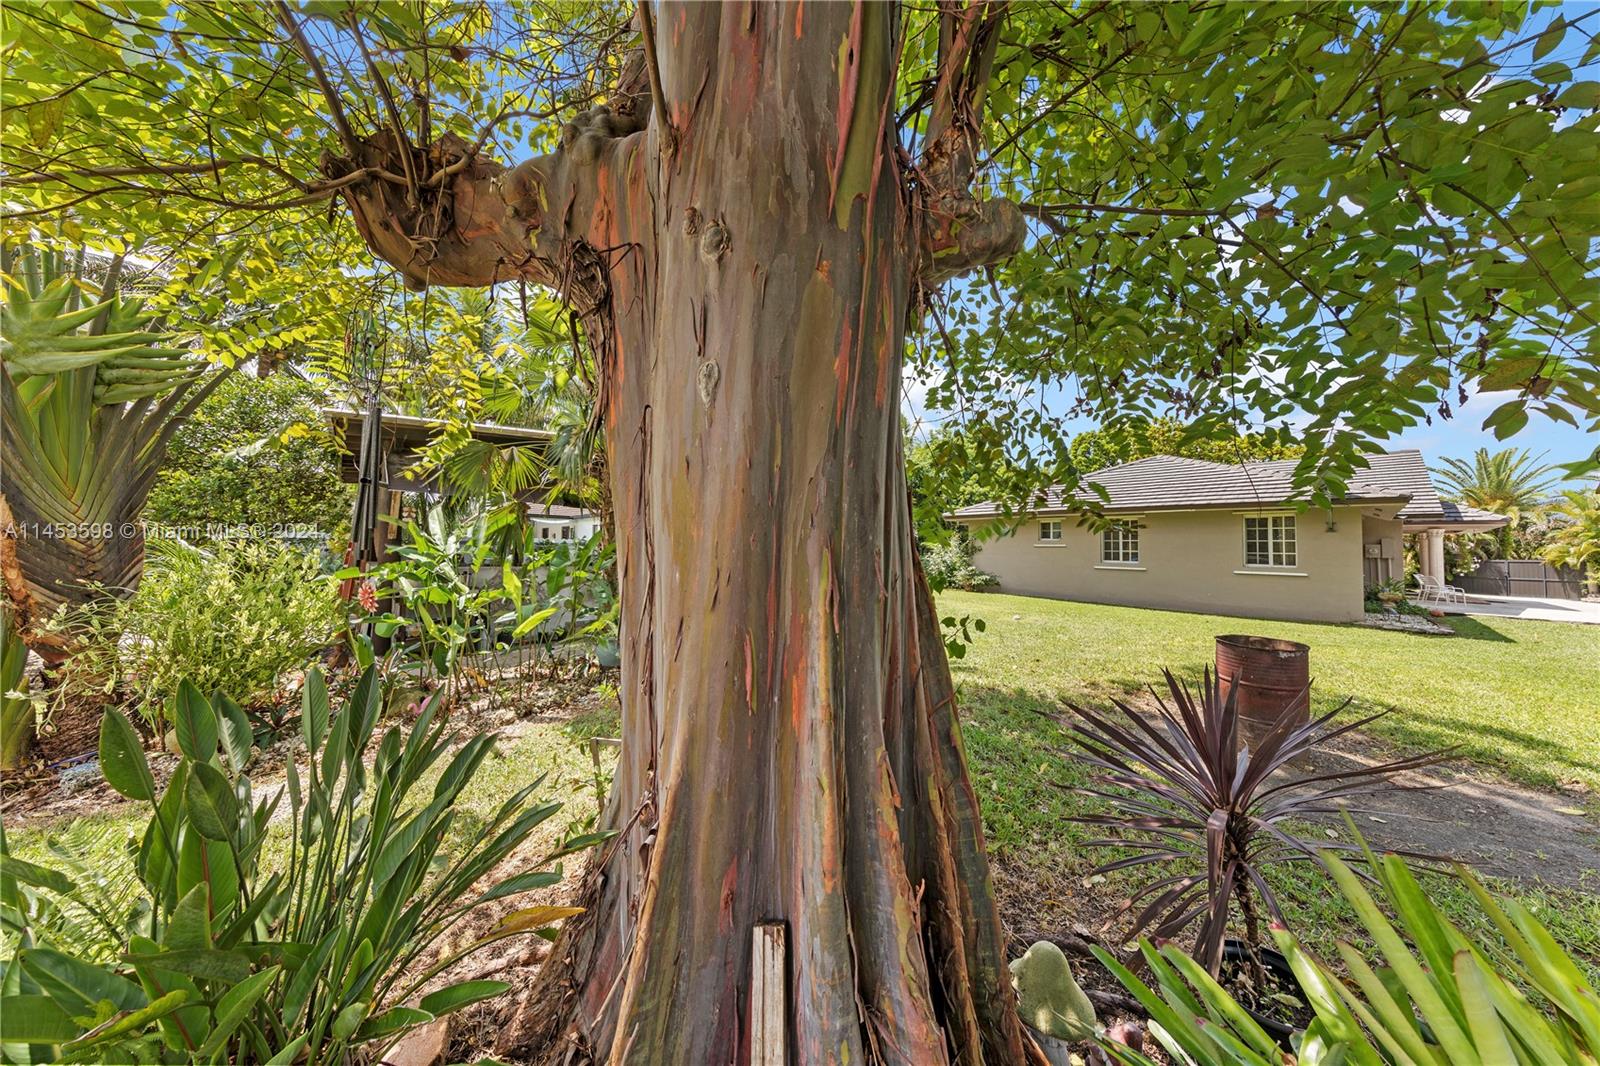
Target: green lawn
[(1521, 697)]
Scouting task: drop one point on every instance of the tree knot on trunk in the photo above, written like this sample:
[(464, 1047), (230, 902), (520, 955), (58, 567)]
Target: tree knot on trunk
[(710, 373), (714, 242)]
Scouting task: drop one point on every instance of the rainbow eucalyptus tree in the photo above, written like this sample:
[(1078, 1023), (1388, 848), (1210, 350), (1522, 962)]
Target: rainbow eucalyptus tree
[(763, 215)]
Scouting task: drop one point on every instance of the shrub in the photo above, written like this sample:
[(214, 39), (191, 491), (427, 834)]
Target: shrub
[(1397, 587), (949, 566), (1207, 814), (234, 961), (1439, 997), (242, 458), (233, 617)]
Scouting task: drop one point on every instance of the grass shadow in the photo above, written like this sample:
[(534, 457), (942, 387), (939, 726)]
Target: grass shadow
[(1472, 629)]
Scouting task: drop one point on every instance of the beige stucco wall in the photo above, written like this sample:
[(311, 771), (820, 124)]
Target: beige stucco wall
[(1189, 561), (1388, 537)]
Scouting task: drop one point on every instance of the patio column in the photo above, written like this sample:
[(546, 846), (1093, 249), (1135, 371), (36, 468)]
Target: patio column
[(1430, 557)]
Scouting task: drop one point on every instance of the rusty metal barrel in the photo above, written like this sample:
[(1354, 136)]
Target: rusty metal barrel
[(1273, 676)]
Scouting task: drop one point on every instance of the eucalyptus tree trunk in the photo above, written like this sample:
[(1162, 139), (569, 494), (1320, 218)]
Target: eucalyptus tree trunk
[(745, 259)]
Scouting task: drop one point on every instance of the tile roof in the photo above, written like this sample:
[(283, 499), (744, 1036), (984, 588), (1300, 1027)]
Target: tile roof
[(1168, 482), (556, 510)]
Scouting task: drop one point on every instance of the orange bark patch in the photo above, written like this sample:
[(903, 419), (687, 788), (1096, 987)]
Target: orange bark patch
[(841, 372), (730, 890), (749, 676)]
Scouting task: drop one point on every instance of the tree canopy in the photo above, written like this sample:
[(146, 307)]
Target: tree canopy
[(1340, 217)]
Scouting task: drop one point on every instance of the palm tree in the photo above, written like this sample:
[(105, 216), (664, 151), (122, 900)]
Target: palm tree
[(91, 394), (1575, 536), (532, 381), (1508, 482)]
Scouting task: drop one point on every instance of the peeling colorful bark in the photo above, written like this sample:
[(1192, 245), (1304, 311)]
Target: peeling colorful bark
[(790, 746)]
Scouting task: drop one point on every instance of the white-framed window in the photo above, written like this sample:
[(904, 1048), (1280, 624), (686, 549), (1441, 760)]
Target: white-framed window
[(1049, 532), (566, 532), (1269, 540), (1119, 543)]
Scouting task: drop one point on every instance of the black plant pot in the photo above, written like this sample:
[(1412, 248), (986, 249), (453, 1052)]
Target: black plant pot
[(1237, 953)]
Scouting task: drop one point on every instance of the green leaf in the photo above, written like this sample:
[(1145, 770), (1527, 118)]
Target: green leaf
[(464, 993), (1489, 1036), (122, 759), (77, 985), (196, 724), (314, 710), (349, 1020), (533, 621), (190, 924), (212, 807), (37, 876), (234, 727), (1550, 38), (390, 1022), (290, 1052), (234, 1007), (132, 1022), (35, 1019), (520, 883), (229, 967), (305, 979)]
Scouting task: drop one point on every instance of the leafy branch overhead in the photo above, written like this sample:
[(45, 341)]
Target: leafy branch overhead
[(1348, 217)]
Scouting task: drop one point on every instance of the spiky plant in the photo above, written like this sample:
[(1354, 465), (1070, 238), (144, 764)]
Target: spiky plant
[(93, 390), (1208, 814)]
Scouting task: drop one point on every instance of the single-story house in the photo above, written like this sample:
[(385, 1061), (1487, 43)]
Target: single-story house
[(559, 521), (1193, 535)]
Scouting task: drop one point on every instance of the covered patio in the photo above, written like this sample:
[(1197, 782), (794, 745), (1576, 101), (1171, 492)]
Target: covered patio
[(1429, 521)]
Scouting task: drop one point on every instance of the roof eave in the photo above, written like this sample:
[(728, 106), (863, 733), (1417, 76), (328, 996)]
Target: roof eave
[(1236, 505)]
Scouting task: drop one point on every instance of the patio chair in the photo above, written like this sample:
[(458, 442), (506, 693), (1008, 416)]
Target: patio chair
[(1432, 590)]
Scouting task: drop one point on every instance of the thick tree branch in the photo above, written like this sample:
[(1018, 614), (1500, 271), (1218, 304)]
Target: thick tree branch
[(959, 233)]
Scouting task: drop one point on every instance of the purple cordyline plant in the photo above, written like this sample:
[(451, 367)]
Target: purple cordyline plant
[(1209, 813)]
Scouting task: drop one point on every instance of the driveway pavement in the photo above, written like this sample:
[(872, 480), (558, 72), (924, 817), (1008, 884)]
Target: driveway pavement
[(1539, 609)]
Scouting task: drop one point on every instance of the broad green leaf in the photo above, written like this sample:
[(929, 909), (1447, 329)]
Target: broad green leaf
[(210, 803), (230, 967), (190, 924), (234, 1007), (527, 882), (464, 993), (234, 728), (196, 724), (391, 1021), (78, 985), (37, 876), (34, 1019), (122, 759), (314, 710), (348, 1021)]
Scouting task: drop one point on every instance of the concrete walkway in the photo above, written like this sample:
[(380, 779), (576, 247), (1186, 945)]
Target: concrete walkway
[(1536, 608)]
